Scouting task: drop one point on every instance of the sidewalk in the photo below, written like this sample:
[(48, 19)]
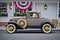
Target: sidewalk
[(57, 28), (2, 28)]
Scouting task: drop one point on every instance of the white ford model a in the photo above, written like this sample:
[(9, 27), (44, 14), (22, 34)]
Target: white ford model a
[(31, 20)]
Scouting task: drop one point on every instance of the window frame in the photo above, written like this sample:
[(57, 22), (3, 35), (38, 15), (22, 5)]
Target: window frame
[(3, 9)]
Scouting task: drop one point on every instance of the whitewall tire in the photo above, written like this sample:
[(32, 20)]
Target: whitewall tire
[(11, 28), (22, 23), (46, 28)]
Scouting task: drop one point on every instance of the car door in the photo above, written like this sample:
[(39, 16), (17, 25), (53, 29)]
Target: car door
[(33, 22)]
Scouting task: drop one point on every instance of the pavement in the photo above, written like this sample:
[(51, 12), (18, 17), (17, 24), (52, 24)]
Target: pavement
[(30, 35), (2, 28), (54, 35)]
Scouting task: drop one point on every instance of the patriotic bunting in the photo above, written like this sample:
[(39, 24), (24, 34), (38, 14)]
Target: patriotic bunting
[(23, 5)]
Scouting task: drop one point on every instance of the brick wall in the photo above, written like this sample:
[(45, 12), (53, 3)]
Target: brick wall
[(3, 23)]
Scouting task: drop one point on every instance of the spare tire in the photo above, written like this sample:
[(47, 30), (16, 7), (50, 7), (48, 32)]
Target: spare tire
[(22, 23)]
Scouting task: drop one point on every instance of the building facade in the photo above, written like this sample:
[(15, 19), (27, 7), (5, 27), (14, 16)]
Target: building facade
[(48, 9)]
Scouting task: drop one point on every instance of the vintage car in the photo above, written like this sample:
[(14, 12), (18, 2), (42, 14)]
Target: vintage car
[(31, 20)]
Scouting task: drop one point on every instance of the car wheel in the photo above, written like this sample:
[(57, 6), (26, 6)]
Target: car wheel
[(46, 28), (11, 28), (22, 23)]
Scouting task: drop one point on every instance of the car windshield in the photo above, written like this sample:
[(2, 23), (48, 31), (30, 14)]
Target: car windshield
[(32, 15)]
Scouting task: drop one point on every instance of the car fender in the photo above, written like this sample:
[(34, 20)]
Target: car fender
[(45, 21), (12, 22)]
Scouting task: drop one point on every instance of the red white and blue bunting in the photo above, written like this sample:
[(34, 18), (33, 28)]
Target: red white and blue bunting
[(23, 5)]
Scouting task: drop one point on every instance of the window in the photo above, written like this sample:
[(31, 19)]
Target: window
[(59, 9), (33, 15), (19, 12), (16, 9), (3, 9)]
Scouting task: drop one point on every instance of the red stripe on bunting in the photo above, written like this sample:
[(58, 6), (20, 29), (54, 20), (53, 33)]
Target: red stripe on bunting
[(23, 2)]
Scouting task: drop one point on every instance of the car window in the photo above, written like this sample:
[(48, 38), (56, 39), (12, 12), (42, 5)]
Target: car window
[(32, 15)]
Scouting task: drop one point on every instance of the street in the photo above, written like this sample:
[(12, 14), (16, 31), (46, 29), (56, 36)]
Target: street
[(30, 35)]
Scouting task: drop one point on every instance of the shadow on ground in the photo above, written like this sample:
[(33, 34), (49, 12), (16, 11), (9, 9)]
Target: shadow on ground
[(36, 31), (29, 31)]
